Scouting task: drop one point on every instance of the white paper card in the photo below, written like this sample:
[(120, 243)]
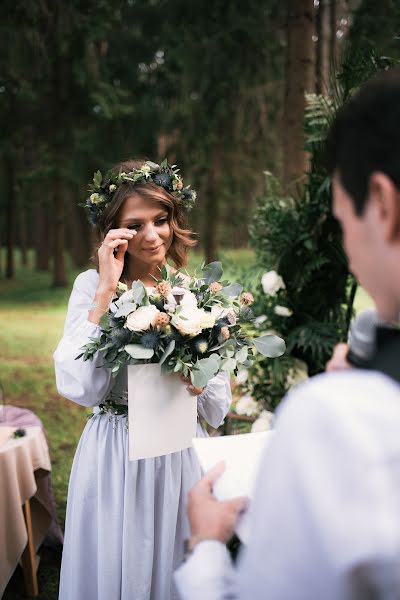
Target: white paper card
[(162, 414), (241, 454)]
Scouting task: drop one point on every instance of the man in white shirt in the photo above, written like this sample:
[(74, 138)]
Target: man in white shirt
[(325, 520)]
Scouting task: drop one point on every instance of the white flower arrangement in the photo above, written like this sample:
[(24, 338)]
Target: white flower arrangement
[(195, 326)]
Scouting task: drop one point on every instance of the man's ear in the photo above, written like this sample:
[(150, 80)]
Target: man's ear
[(384, 200)]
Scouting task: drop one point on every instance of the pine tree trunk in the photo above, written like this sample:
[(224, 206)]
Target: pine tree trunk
[(9, 171), (332, 37), (59, 274), (212, 211), (43, 232), (299, 79), (22, 230), (322, 49), (78, 233)]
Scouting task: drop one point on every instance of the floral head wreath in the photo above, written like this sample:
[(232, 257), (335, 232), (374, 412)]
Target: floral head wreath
[(164, 175)]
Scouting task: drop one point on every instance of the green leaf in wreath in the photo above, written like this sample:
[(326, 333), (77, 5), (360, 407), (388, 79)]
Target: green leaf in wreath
[(138, 351), (271, 346)]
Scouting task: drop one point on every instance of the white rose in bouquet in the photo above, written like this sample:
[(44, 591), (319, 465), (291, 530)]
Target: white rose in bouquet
[(191, 320), (188, 298), (246, 405), (142, 318), (271, 283), (264, 422)]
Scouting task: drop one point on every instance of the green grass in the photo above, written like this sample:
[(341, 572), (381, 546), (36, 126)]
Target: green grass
[(31, 321)]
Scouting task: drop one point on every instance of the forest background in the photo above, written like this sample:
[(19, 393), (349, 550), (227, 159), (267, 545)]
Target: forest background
[(219, 88)]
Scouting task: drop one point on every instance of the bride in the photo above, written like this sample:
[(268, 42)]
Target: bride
[(126, 522)]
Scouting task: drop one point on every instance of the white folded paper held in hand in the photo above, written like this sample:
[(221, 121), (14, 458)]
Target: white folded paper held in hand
[(162, 414), (241, 454)]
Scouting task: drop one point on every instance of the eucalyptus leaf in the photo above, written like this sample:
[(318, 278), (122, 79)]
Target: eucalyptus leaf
[(168, 350), (271, 346), (229, 364), (138, 291), (125, 310), (232, 290), (204, 370), (241, 355), (138, 351), (212, 272)]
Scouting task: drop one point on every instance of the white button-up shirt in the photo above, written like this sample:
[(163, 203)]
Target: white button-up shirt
[(325, 519)]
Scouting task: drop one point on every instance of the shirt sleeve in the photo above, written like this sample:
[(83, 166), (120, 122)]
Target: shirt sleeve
[(207, 574), (214, 401), (83, 382)]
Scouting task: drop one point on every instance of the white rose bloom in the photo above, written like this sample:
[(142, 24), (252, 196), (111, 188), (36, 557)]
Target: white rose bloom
[(242, 376), (190, 320), (188, 298), (142, 318), (246, 406), (282, 311), (272, 282), (208, 320), (264, 422)]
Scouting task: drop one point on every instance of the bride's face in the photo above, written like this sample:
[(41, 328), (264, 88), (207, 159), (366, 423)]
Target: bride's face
[(150, 220)]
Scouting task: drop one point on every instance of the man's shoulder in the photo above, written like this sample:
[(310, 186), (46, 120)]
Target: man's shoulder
[(352, 397)]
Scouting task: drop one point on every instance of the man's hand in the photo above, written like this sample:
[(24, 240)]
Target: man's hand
[(209, 518), (338, 360)]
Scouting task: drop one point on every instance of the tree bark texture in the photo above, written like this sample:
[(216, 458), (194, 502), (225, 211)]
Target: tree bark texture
[(9, 172), (299, 80)]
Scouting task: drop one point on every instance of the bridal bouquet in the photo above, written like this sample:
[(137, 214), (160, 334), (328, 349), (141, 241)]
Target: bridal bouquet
[(196, 326)]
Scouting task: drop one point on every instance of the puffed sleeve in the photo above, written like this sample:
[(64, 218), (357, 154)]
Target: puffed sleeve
[(84, 382), (214, 401)]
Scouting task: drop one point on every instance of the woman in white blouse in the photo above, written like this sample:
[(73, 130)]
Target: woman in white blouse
[(125, 522)]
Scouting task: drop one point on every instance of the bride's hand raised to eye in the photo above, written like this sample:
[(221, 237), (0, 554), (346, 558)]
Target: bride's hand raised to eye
[(111, 257)]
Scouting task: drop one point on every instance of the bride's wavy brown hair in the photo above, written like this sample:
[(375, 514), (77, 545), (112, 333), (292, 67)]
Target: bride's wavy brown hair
[(182, 236)]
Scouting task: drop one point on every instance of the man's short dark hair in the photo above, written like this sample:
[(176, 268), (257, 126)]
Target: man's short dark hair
[(365, 136)]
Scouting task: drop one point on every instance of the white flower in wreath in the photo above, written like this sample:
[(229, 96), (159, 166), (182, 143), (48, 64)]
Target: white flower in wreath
[(264, 422), (142, 318), (271, 283), (282, 311), (246, 405)]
